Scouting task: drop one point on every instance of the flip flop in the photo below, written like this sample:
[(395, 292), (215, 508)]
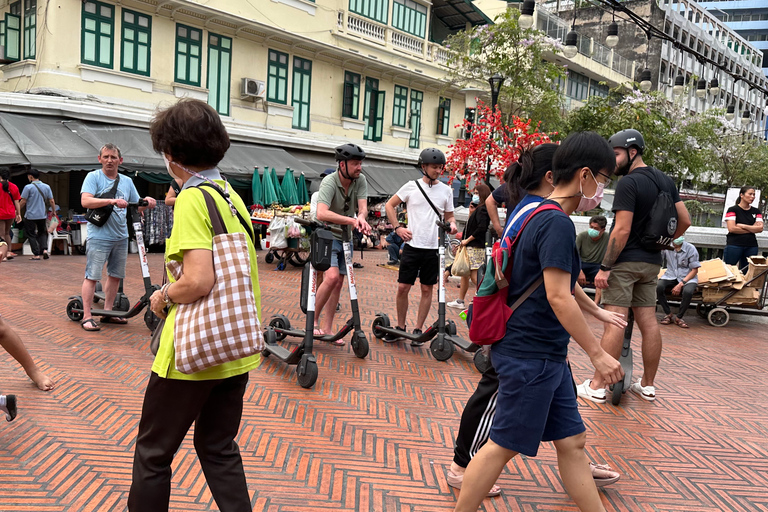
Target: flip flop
[(455, 481), (603, 474), (92, 322), (35, 259), (666, 320), (46, 255), (113, 320)]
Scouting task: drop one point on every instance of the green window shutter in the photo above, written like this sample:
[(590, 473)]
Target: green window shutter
[(443, 116), (378, 125), (400, 106), (417, 97), (351, 103), (97, 38), (376, 10), (2, 33), (277, 77), (410, 17), (30, 29), (369, 107), (302, 85), (136, 42), (12, 37), (219, 62), (189, 49)]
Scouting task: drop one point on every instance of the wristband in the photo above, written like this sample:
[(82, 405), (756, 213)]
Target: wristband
[(605, 268), (166, 299)]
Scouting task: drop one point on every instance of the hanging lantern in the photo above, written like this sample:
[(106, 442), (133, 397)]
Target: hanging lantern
[(613, 35), (571, 40)]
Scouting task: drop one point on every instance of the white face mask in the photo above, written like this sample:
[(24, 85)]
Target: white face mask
[(588, 203), (168, 167)]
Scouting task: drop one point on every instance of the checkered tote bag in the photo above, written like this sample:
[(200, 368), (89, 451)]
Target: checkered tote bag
[(224, 325)]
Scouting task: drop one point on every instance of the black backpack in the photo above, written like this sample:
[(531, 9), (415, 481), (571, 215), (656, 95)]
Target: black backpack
[(659, 231)]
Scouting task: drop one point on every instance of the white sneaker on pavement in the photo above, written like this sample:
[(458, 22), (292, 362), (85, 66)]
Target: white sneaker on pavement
[(595, 395), (645, 392), (458, 304)]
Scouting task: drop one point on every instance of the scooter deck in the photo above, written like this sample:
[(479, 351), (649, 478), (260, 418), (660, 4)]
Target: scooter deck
[(463, 344), (300, 333), (282, 353), (425, 336)]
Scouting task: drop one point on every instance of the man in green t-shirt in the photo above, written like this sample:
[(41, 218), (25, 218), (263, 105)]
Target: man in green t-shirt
[(342, 200), (591, 245)]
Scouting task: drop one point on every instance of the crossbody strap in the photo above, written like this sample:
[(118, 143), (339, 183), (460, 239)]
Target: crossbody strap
[(39, 191), (437, 212), (248, 227), (213, 211)]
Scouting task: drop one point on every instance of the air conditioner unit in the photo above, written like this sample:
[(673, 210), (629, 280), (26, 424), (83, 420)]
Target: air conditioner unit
[(253, 88)]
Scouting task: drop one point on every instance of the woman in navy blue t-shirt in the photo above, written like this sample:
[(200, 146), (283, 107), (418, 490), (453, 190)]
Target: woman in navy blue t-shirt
[(536, 400)]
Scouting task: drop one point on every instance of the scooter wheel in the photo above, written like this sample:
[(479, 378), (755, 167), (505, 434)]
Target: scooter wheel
[(618, 389), (702, 310), (381, 320), (309, 377), (441, 353), (123, 304), (269, 257), (482, 361), (360, 345), (151, 320), (73, 304), (450, 328), (280, 322), (98, 289)]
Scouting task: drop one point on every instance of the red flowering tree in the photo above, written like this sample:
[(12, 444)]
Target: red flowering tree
[(494, 140)]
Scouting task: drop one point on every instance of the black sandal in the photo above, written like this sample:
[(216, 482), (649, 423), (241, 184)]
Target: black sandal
[(91, 321)]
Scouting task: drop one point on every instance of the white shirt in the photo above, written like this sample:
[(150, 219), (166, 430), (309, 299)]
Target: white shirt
[(313, 206), (422, 220)]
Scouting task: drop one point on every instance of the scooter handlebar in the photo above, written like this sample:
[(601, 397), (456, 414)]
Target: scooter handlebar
[(139, 203), (445, 226), (318, 225)]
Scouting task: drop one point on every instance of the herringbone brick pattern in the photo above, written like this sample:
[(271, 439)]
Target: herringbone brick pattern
[(373, 434)]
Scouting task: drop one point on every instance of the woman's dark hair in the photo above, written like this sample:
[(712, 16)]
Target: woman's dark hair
[(191, 132), (582, 149), (742, 191), (529, 170), (5, 174), (483, 191)]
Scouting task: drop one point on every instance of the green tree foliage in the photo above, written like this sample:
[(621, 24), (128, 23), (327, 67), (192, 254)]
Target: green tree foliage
[(531, 87)]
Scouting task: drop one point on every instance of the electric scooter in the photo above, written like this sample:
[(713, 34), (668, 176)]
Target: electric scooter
[(443, 331), (280, 327), (626, 361), (121, 302), (75, 304)]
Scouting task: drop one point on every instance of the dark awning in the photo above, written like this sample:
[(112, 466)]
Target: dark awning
[(134, 143), (9, 151), (386, 178), (48, 144), (242, 158), (456, 13)]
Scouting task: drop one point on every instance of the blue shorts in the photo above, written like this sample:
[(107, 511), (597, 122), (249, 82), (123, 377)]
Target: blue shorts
[(536, 403), (112, 252), (337, 256)]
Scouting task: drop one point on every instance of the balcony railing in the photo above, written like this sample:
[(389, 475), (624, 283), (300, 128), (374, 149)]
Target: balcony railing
[(366, 28), (407, 43)]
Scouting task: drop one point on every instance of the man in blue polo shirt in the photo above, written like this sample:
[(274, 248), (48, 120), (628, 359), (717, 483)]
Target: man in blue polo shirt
[(36, 197)]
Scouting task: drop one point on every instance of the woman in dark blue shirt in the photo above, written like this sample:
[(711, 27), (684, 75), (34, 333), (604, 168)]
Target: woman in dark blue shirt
[(536, 400)]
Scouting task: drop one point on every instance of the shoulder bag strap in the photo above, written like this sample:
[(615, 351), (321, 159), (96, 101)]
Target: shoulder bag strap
[(213, 211), (40, 191), (437, 212), (248, 227), (652, 176)]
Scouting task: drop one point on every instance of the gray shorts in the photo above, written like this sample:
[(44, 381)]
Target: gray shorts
[(112, 252)]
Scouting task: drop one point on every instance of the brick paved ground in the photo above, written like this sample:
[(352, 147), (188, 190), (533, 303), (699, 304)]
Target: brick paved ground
[(373, 434)]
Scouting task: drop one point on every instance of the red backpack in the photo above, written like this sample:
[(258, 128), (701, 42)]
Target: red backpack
[(489, 312)]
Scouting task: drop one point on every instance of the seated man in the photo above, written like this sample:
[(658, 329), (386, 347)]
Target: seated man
[(394, 245), (682, 268), (591, 245)]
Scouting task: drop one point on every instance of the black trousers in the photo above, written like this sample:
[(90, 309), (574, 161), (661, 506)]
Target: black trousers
[(170, 407), (36, 232), (664, 285), (477, 418)]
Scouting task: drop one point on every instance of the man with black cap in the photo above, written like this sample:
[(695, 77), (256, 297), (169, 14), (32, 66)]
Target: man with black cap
[(420, 257), (630, 267), (342, 200)]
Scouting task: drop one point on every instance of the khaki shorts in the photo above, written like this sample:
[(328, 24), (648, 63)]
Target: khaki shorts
[(632, 284)]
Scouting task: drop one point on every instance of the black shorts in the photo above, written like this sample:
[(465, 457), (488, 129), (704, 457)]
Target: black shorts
[(421, 263)]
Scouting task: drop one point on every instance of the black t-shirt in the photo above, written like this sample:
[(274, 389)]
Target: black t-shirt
[(742, 216), (636, 193), (501, 195)]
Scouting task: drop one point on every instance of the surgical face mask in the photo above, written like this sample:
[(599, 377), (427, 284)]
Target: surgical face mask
[(588, 203), (476, 199), (679, 241), (168, 168), (593, 233)]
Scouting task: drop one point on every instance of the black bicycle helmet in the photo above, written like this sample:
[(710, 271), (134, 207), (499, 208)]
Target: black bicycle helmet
[(349, 152), (431, 156), (627, 139)]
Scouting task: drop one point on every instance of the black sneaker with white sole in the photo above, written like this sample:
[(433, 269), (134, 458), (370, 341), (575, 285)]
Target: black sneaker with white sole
[(391, 337), (417, 343)]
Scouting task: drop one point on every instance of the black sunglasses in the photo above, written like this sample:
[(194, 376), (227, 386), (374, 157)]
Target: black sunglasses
[(347, 200)]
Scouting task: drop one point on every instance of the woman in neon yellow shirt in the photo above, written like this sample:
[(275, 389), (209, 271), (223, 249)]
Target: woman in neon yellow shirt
[(192, 140)]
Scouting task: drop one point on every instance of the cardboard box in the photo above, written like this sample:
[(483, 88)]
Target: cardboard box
[(757, 264), (713, 271), (747, 296)]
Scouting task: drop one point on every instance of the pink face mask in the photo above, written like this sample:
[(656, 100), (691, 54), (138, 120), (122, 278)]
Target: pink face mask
[(588, 203)]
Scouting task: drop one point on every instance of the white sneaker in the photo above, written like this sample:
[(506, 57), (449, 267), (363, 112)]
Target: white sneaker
[(458, 304), (645, 392), (595, 395)]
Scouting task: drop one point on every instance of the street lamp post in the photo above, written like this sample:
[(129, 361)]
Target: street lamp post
[(496, 81)]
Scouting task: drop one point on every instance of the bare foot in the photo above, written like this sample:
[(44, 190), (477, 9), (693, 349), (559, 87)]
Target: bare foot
[(41, 380)]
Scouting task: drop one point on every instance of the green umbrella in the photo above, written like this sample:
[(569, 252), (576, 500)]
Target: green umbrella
[(268, 194), (256, 186), (288, 189), (301, 190), (276, 186)]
